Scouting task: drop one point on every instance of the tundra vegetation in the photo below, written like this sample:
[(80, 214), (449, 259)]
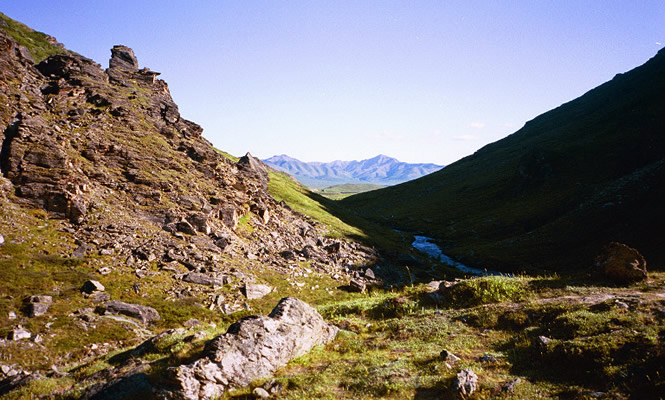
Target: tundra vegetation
[(108, 198)]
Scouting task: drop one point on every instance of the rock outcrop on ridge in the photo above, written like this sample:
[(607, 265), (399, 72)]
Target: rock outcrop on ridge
[(145, 207), (109, 151)]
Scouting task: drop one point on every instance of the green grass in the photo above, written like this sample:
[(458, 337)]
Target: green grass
[(34, 41), (338, 192), (339, 222), (516, 204)]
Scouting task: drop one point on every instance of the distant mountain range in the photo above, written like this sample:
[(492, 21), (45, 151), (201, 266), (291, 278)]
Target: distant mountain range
[(380, 170)]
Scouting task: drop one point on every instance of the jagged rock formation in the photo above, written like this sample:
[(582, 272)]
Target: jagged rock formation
[(151, 213), (108, 150), (253, 348)]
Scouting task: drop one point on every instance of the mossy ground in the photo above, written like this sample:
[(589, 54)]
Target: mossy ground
[(390, 342), (35, 42)]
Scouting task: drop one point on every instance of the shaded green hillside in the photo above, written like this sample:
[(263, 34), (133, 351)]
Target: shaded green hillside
[(551, 194), (338, 192)]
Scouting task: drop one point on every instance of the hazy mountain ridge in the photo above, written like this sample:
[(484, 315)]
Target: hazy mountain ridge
[(380, 170)]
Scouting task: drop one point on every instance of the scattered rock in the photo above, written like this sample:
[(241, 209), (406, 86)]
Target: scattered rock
[(621, 264), (19, 333), (543, 341), (91, 286), (205, 279), (356, 285), (99, 297), (449, 357), (190, 323), (253, 348), (288, 255), (256, 291), (466, 382), (143, 313), (2, 240), (369, 274), (11, 315), (38, 305), (260, 393), (510, 386), (80, 251), (200, 222), (272, 386), (488, 358), (229, 217)]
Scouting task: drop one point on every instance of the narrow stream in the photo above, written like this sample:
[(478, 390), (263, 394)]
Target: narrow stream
[(426, 245)]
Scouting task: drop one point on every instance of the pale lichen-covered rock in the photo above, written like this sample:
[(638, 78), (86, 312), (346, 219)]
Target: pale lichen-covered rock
[(252, 348), (466, 382), (256, 291)]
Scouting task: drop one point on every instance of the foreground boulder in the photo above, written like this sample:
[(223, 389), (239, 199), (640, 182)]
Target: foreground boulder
[(621, 264), (253, 348)]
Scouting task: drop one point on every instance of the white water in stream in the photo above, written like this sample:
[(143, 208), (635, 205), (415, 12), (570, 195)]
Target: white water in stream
[(425, 245)]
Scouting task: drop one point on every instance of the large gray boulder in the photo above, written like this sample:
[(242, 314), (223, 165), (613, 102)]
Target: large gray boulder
[(143, 313), (253, 348)]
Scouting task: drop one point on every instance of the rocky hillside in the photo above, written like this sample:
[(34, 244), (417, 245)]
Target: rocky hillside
[(114, 205), (552, 194), (379, 170)]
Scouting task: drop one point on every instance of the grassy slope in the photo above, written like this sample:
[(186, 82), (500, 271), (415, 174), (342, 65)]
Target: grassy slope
[(339, 221), (34, 41), (551, 194), (338, 192), (392, 339)]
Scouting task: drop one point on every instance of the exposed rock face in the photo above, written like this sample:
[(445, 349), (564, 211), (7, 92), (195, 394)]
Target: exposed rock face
[(143, 313), (253, 348), (621, 264), (122, 175), (123, 57)]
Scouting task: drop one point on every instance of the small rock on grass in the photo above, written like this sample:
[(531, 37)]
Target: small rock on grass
[(510, 386), (357, 286), (2, 240), (260, 393), (19, 333), (466, 382), (92, 286), (448, 356)]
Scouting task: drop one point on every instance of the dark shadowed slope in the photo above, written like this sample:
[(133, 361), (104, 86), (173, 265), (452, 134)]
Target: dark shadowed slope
[(551, 194)]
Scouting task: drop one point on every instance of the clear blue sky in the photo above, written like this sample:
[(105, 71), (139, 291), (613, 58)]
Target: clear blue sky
[(422, 81)]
